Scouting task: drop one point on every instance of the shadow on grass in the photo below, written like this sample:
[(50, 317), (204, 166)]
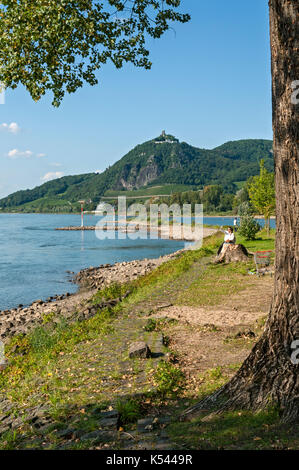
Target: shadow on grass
[(238, 430)]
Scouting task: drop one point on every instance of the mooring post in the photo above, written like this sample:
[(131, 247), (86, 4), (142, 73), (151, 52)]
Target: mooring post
[(82, 212)]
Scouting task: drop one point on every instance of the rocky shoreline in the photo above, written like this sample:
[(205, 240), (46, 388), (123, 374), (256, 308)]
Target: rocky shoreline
[(77, 306), (72, 307)]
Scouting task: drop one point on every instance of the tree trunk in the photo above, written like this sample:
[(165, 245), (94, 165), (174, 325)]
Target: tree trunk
[(231, 253), (267, 224), (269, 375)]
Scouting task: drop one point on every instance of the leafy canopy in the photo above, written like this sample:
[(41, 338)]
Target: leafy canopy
[(58, 45)]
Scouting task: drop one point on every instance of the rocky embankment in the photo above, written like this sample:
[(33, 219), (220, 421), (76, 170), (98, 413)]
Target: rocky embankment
[(104, 275), (77, 306)]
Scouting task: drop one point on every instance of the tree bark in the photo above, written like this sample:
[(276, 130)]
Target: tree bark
[(269, 375)]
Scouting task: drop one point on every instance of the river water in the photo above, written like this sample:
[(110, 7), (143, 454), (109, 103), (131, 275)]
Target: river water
[(35, 258)]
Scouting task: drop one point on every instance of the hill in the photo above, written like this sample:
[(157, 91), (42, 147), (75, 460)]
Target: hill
[(163, 162)]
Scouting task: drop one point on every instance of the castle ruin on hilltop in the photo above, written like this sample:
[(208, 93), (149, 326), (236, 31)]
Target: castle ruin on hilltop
[(164, 138)]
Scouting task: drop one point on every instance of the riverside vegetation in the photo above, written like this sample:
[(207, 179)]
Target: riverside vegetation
[(70, 383)]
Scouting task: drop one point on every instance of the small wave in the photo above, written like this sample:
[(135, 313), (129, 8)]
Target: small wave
[(37, 228), (48, 244)]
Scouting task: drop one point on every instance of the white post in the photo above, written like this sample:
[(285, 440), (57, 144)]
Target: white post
[(82, 212)]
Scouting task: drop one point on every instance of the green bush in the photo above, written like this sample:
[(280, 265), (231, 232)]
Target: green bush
[(168, 379), (248, 227), (151, 325)]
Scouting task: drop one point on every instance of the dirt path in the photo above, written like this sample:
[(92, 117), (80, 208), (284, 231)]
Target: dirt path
[(243, 308), (206, 337)]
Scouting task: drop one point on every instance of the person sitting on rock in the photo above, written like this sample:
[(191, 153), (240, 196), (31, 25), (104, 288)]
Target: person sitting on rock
[(229, 238)]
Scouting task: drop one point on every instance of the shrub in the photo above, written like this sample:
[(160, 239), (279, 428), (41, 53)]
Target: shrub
[(248, 227), (168, 379), (18, 346), (151, 325)]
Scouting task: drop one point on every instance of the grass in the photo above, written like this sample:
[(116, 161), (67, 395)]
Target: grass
[(157, 324), (262, 241), (129, 411), (233, 430), (216, 283), (211, 380), (36, 354), (77, 365), (240, 430), (166, 273)]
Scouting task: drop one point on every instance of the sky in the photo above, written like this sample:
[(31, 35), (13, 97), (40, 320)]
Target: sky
[(210, 83)]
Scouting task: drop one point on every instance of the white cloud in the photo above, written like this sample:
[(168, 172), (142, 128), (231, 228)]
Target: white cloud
[(52, 175), (99, 171), (55, 164), (15, 153), (13, 127)]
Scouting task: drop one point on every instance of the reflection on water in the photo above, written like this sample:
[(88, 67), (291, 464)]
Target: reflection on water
[(82, 240)]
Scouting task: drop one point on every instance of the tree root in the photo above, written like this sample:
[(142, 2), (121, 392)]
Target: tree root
[(266, 380)]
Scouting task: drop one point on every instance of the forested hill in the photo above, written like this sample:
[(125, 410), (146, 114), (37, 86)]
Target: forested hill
[(161, 161)]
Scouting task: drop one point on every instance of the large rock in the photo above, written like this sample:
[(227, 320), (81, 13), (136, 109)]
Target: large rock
[(232, 253), (139, 349)]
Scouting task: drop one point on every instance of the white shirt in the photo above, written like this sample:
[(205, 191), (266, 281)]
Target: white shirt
[(228, 237)]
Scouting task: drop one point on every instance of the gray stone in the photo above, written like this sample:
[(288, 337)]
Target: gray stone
[(145, 425), (109, 423), (106, 414), (66, 433), (139, 349), (98, 436)]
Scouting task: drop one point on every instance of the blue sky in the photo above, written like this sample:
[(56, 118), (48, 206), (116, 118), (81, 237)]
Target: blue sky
[(210, 83)]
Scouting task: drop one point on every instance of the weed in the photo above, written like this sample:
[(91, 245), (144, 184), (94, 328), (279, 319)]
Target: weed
[(18, 346), (151, 325), (169, 380), (210, 380), (9, 440), (48, 317), (129, 411)]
